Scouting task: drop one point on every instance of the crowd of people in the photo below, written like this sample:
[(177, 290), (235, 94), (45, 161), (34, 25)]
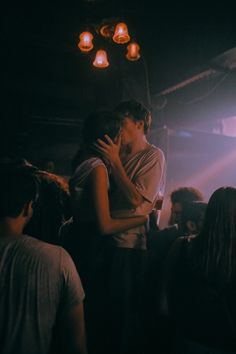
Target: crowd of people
[(84, 266)]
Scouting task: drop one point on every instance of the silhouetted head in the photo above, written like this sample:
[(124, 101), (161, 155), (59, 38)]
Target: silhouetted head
[(178, 198), (192, 217), (220, 218), (95, 126), (218, 235), (18, 187)]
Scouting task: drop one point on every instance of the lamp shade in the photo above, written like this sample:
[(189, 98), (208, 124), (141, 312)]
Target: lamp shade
[(133, 51), (100, 60), (121, 34), (86, 42)]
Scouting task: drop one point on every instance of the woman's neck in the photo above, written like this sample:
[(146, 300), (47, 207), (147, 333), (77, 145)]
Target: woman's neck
[(10, 227)]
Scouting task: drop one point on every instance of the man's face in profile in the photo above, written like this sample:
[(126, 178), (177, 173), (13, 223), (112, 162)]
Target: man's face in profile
[(176, 212), (129, 131)]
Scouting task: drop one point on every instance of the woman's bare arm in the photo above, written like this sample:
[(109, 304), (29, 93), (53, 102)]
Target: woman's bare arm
[(107, 224)]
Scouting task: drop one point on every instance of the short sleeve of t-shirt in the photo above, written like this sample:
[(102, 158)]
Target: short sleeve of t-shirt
[(150, 178), (83, 170), (73, 293)]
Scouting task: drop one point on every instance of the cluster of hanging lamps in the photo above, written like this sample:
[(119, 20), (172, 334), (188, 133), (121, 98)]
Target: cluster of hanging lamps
[(120, 36)]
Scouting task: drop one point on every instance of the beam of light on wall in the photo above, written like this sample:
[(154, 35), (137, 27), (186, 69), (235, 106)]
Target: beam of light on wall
[(229, 126), (204, 176)]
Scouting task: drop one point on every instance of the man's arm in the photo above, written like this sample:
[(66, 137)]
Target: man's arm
[(70, 331), (73, 331)]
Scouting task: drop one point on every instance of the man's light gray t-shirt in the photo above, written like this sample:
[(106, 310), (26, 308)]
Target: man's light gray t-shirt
[(146, 170), (38, 282)]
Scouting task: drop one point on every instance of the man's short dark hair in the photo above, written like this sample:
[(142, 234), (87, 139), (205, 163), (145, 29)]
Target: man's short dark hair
[(17, 187), (184, 195), (136, 111)]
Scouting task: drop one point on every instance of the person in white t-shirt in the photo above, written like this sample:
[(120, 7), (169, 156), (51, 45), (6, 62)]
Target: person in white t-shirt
[(41, 301), (138, 171)]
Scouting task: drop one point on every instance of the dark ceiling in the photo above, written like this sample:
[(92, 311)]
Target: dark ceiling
[(44, 75)]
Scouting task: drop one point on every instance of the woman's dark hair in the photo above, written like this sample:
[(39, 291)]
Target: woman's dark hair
[(95, 126), (51, 209), (99, 123), (217, 240)]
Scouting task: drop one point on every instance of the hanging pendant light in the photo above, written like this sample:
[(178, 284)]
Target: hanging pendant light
[(121, 34), (100, 60), (133, 51), (85, 44)]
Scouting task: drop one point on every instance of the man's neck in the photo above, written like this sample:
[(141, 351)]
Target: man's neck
[(133, 148)]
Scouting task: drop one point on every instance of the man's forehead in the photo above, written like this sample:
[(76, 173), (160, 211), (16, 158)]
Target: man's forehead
[(127, 119)]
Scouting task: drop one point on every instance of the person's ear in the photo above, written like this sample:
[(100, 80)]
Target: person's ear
[(28, 209), (191, 226), (140, 124)]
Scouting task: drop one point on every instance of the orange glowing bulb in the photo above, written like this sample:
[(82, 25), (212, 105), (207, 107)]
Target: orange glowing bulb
[(100, 60), (121, 34), (85, 44), (133, 51)]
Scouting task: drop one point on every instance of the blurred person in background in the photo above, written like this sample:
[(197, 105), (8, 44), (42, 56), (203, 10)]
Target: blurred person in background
[(197, 300), (41, 302)]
